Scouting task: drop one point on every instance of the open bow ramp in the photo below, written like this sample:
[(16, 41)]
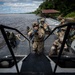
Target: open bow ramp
[(36, 64)]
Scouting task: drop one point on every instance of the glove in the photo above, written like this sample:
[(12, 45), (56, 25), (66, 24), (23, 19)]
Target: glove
[(35, 32)]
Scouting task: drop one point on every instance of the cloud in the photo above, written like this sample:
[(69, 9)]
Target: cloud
[(19, 0), (19, 6)]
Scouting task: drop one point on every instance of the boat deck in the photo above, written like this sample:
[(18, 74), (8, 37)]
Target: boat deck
[(35, 64)]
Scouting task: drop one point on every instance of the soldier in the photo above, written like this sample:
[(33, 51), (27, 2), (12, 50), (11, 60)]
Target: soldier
[(56, 47), (44, 25), (71, 36), (61, 33), (28, 29), (37, 35), (12, 38)]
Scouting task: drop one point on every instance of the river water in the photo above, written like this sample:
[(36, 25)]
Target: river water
[(20, 22)]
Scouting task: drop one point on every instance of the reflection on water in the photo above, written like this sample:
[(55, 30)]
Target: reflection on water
[(19, 21)]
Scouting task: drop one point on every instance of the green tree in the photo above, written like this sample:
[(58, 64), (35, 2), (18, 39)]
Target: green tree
[(64, 6)]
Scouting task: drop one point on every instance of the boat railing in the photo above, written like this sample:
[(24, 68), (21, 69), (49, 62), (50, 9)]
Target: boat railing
[(2, 28), (61, 26), (68, 25)]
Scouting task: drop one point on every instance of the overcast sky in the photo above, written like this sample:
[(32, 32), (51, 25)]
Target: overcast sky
[(19, 6)]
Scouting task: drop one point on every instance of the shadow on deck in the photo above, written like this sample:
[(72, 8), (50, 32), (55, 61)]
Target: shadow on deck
[(38, 64)]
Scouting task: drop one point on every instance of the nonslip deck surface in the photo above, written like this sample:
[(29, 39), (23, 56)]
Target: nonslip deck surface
[(36, 63)]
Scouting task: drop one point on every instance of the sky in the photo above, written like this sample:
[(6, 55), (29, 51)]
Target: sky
[(19, 6)]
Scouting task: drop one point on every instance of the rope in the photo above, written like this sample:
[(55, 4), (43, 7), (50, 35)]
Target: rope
[(18, 37)]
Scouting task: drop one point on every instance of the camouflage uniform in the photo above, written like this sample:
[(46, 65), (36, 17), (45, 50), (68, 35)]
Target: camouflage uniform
[(44, 25), (12, 39), (38, 43), (57, 45)]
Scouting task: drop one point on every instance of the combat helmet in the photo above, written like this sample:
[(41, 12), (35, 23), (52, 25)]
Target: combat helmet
[(35, 24), (42, 20)]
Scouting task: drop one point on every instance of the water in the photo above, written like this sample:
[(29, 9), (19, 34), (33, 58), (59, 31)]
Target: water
[(20, 22)]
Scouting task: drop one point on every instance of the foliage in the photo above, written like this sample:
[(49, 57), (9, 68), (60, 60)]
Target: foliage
[(64, 6), (72, 14), (46, 5)]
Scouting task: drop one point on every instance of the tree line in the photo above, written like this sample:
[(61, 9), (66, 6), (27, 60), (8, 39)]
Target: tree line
[(64, 6)]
